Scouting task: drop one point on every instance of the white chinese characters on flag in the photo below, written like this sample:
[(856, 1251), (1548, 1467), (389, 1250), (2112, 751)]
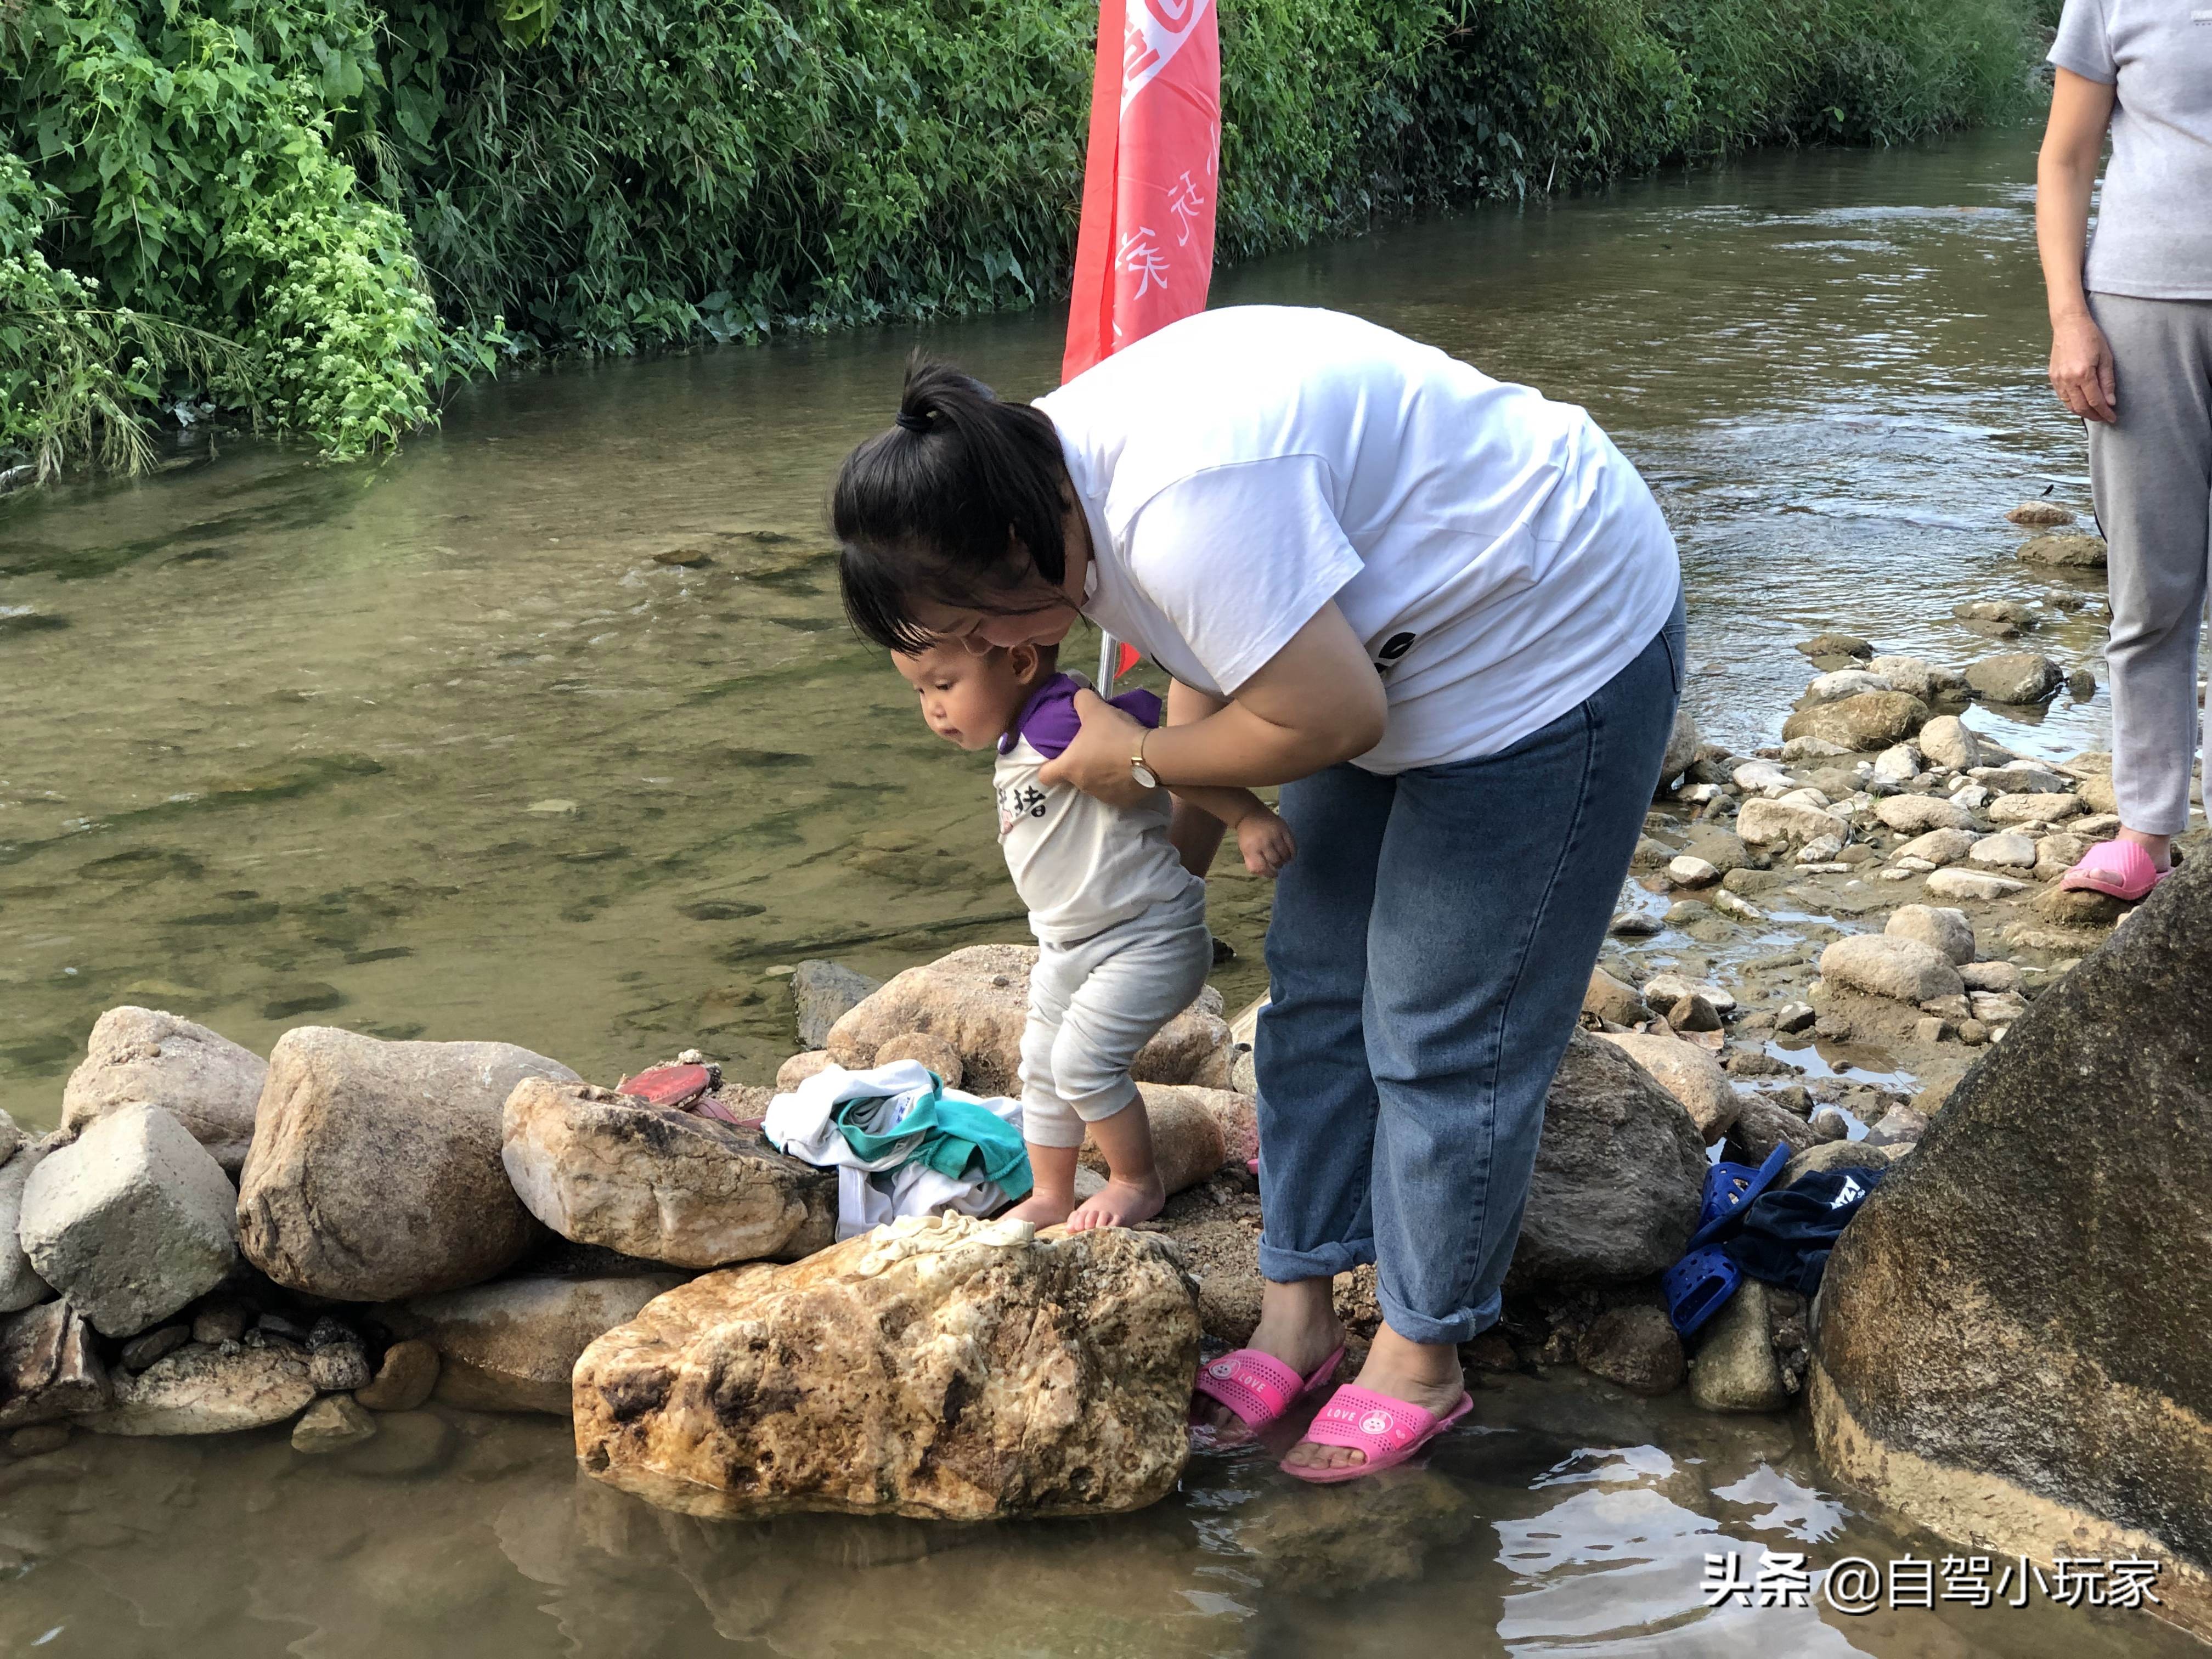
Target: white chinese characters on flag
[(1144, 256)]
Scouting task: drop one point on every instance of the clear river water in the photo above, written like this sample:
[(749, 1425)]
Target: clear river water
[(547, 729)]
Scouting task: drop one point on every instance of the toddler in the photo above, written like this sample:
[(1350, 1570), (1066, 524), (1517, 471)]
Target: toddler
[(1120, 921)]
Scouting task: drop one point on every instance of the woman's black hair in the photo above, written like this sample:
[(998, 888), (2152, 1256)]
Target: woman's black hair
[(959, 503)]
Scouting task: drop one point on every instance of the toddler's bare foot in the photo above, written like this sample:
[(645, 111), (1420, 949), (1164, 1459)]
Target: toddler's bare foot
[(1120, 1204), (1046, 1209)]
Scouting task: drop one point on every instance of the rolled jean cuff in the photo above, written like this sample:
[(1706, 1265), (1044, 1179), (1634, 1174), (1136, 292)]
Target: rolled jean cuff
[(1283, 1267), (1461, 1326)]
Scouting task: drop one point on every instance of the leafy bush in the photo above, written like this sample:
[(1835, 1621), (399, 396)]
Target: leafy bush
[(180, 164)]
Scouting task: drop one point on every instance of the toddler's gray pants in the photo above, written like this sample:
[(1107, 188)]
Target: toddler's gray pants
[(1094, 1004)]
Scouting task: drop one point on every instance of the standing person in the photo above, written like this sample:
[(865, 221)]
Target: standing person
[(1446, 615), (2132, 355)]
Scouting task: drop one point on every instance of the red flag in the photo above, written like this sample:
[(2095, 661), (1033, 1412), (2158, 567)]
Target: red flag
[(1144, 256)]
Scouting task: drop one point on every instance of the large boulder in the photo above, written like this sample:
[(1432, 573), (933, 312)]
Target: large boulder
[(375, 1172), (1681, 747), (20, 1284), (1619, 1175), (664, 1186), (48, 1366), (143, 1057), (1688, 1071), (129, 1221), (511, 1346), (2011, 1344), (1872, 720), (941, 1368), (978, 999), (202, 1390), (1889, 965)]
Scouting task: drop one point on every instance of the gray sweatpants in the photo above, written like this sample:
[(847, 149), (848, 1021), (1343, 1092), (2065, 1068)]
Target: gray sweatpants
[(2152, 474), (1093, 1004)]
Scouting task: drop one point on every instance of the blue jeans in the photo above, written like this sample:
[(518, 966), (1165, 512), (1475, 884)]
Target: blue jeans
[(1430, 949)]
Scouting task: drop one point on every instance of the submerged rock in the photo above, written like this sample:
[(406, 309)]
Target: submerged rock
[(48, 1366), (332, 1424), (143, 1057), (511, 1346), (375, 1172), (2011, 1341), (658, 1185), (1635, 1348), (978, 1000), (1619, 1173), (822, 994), (198, 1391), (131, 1221), (939, 1368), (2067, 552), (1872, 720), (2020, 677), (404, 1379)]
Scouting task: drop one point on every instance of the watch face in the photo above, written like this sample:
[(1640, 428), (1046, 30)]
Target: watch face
[(1145, 777)]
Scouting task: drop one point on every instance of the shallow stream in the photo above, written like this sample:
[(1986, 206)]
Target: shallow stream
[(548, 730)]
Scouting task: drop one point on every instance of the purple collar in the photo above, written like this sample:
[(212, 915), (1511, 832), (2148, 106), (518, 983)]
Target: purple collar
[(1059, 688)]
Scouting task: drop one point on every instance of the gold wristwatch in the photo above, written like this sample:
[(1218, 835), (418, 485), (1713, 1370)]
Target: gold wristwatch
[(1145, 777)]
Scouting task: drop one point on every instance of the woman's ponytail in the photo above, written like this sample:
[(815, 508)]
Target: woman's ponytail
[(961, 503)]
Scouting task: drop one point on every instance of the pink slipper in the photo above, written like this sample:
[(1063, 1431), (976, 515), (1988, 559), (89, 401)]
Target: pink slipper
[(1388, 1430), (1258, 1387), (2119, 869)]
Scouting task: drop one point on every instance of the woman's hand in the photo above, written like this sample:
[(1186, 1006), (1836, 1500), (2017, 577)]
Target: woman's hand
[(2081, 368), (1097, 762)]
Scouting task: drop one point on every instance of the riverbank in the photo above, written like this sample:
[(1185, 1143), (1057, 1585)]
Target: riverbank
[(401, 196)]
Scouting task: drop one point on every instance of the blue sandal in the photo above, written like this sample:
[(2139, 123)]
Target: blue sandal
[(1698, 1285), (1729, 1190)]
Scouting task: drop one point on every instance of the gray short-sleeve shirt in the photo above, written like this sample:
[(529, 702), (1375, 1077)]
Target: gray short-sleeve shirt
[(2154, 235)]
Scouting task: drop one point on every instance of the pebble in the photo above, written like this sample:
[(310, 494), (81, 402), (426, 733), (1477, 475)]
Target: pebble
[(1970, 796), (1729, 905), (1793, 1017), (2006, 852), (1632, 924), (1685, 910), (1754, 777), (219, 1322), (39, 1439), (141, 1352), (1689, 872), (1693, 1013), (403, 1379), (332, 1424)]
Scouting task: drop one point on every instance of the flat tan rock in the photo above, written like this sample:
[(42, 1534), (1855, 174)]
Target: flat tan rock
[(939, 1368), (200, 1390), (658, 1185), (375, 1170), (144, 1057), (977, 999), (1687, 1071)]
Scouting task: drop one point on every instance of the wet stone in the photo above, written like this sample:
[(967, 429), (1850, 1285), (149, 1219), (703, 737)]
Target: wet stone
[(143, 1351), (404, 1378), (332, 1424), (1635, 1348)]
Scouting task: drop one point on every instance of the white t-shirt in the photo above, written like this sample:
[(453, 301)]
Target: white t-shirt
[(1080, 864), (1242, 467)]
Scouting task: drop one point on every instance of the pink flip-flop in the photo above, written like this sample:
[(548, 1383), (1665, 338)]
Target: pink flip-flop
[(1390, 1431), (1258, 1387), (2119, 869)]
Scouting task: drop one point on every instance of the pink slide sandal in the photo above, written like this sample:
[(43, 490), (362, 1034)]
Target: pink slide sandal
[(1258, 1387), (2118, 869), (1388, 1430)]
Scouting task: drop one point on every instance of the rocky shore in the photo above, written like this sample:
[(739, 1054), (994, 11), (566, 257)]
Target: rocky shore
[(1819, 939)]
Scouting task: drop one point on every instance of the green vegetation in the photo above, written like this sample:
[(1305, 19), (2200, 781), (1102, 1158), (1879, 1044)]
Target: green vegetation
[(312, 212)]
